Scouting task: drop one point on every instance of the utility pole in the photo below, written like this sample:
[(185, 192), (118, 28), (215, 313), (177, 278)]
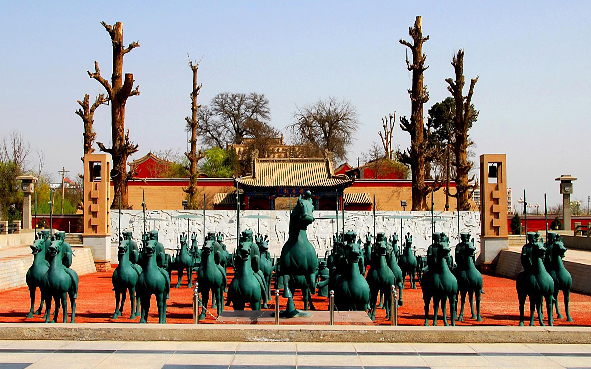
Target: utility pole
[(63, 172)]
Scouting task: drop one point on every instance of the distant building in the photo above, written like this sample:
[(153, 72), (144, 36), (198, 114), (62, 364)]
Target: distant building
[(150, 166), (510, 208)]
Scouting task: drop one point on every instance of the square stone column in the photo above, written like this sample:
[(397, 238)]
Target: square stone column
[(28, 188)]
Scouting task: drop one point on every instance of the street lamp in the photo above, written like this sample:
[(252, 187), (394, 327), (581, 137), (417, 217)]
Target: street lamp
[(537, 206), (522, 201)]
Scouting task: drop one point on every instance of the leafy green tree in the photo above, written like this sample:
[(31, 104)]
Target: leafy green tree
[(217, 163), (516, 224)]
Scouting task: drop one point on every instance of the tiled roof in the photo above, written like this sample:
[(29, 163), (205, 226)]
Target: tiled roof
[(222, 198), (293, 172), (356, 198)]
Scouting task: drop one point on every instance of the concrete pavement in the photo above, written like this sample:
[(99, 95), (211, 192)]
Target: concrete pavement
[(251, 355)]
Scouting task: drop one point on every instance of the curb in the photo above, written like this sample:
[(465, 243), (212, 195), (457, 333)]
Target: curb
[(292, 333)]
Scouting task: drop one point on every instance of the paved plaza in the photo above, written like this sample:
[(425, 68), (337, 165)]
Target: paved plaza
[(217, 355)]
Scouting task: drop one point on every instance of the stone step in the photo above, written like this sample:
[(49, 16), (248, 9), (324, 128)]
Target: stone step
[(74, 238)]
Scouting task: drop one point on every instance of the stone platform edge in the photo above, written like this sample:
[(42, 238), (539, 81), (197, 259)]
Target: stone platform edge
[(292, 333)]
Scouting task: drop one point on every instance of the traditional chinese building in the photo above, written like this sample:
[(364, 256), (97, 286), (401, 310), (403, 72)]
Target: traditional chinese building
[(150, 166)]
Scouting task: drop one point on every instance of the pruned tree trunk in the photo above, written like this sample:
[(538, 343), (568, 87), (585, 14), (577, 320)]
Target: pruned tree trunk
[(193, 156), (418, 96), (461, 140), (87, 114), (118, 91)]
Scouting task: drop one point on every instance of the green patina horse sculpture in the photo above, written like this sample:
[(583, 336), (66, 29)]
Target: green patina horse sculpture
[(351, 290), (380, 277), (534, 281), (59, 283), (438, 282), (408, 262), (392, 260), (211, 277), (245, 287), (266, 264), (563, 281), (153, 280), (183, 261), (125, 278), (468, 277), (367, 250), (38, 269), (298, 256)]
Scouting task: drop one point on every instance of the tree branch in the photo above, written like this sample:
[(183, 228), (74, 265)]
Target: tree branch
[(131, 46), (104, 149), (97, 76)]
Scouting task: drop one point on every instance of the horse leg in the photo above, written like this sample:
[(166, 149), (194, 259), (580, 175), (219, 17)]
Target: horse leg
[(145, 307), (38, 312), (453, 302), (471, 297), (532, 310), (435, 310), (132, 301), (32, 295), (566, 293), (413, 284), (462, 302), (540, 310), (204, 301), (117, 298), (427, 300), (558, 315), (57, 300), (160, 301), (179, 274), (444, 310), (72, 306), (549, 299), (220, 298), (380, 302), (123, 298), (403, 278), (388, 304), (190, 276), (522, 297), (477, 295), (47, 307), (64, 299), (372, 303), (255, 305)]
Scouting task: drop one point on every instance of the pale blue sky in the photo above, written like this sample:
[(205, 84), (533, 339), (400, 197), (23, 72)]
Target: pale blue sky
[(532, 58)]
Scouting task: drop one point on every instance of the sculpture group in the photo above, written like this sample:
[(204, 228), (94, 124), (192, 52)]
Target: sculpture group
[(363, 277)]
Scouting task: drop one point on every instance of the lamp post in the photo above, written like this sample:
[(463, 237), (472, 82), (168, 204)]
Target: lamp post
[(522, 201), (537, 206)]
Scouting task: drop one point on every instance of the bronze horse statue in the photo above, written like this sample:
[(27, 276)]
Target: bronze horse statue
[(534, 281), (59, 283), (468, 277), (438, 282), (352, 291), (298, 256), (563, 281), (408, 262), (125, 278), (38, 269)]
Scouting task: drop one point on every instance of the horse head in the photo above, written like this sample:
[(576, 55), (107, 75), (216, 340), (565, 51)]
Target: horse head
[(352, 249), (183, 239), (538, 249), (54, 249), (407, 241), (263, 243), (123, 248), (381, 245), (38, 246), (126, 235), (441, 247), (243, 250), (301, 215)]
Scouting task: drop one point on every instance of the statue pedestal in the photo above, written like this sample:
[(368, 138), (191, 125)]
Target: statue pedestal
[(101, 251), (490, 248)]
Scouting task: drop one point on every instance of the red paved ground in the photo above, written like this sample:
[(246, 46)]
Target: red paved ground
[(96, 302)]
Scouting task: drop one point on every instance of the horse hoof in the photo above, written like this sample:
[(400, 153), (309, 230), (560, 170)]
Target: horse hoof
[(426, 324), (115, 316), (521, 324), (569, 319), (559, 316), (132, 316), (400, 302), (479, 319), (30, 315)]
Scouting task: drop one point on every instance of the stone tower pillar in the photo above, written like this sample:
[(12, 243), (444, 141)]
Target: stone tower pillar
[(28, 188), (97, 213)]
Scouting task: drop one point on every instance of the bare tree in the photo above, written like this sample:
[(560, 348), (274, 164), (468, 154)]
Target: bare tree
[(230, 118), (463, 119), (192, 125), (386, 136), (418, 152), (326, 125), (87, 114), (118, 91)]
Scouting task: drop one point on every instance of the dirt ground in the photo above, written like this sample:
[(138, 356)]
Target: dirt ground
[(96, 303)]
